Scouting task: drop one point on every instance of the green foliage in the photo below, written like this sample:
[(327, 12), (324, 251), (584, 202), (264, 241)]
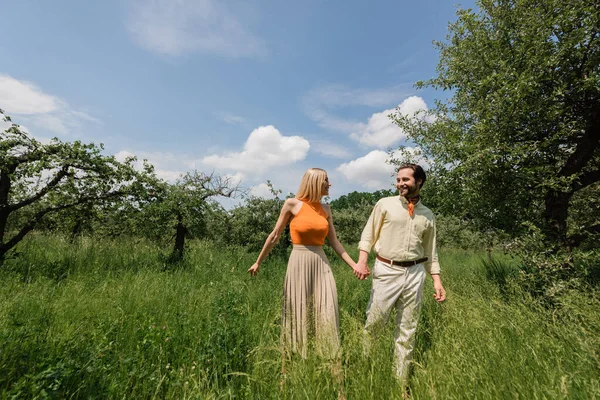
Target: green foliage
[(351, 212), (355, 199), (520, 134), (251, 222), (547, 274), (350, 222)]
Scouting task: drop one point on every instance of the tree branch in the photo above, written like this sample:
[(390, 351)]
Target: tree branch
[(584, 151), (587, 179), (40, 214), (55, 181), (577, 239)]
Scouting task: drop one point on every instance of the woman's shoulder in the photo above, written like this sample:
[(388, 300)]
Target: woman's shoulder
[(292, 205), (292, 201)]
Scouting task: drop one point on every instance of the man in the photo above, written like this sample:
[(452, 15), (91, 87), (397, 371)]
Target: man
[(402, 232)]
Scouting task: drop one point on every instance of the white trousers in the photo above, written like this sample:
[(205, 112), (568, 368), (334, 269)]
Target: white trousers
[(402, 288)]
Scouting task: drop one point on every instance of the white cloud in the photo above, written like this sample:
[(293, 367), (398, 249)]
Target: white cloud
[(21, 97), (380, 131), (265, 148), (233, 119), (173, 28), (26, 101), (261, 190), (371, 171), (319, 102), (234, 179)]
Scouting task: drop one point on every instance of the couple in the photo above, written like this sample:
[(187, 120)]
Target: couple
[(400, 229)]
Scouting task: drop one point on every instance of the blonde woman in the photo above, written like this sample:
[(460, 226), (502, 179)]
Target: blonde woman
[(310, 301)]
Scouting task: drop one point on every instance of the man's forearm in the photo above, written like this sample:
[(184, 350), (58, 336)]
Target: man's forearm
[(363, 257)]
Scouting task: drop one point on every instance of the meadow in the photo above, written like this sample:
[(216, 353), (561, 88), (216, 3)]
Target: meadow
[(109, 319)]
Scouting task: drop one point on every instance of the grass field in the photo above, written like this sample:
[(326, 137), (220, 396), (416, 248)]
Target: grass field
[(105, 319)]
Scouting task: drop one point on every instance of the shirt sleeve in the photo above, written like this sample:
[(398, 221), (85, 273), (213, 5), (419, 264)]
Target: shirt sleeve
[(370, 233), (432, 265)]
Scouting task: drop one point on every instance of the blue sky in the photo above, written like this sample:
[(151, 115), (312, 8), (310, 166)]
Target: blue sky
[(255, 90)]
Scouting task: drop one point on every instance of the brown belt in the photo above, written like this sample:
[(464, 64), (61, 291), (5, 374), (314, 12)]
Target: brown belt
[(402, 263)]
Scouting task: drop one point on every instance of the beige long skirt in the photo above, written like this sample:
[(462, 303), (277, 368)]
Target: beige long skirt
[(310, 305)]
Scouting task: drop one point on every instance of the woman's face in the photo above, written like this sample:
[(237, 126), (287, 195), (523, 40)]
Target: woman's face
[(326, 185)]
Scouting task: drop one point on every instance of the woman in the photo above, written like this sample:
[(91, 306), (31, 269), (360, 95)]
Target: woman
[(309, 295)]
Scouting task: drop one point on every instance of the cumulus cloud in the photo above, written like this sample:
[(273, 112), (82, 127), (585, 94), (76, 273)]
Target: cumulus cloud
[(380, 132), (373, 171), (262, 190), (265, 148), (28, 102), (319, 102), (174, 28)]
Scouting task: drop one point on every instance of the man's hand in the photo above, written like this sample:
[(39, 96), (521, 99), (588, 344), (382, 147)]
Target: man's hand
[(440, 292), (361, 271)]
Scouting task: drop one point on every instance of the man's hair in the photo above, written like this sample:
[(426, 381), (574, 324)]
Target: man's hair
[(418, 172), (311, 185)]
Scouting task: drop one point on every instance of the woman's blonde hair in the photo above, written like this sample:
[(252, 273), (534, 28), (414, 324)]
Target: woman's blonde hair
[(311, 185)]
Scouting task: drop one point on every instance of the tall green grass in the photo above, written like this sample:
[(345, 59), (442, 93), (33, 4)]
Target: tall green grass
[(108, 319)]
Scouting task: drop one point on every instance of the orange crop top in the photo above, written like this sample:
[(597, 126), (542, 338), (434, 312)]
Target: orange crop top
[(310, 226)]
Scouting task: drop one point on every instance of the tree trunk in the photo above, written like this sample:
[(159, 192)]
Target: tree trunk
[(555, 215), (77, 228), (180, 233)]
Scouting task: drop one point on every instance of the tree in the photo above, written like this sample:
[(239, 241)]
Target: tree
[(520, 135), (357, 199), (184, 204), (40, 179)]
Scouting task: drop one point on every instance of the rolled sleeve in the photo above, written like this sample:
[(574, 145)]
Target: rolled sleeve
[(370, 233), (432, 265)]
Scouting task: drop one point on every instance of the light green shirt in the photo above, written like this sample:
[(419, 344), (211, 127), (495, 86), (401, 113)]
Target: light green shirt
[(395, 235)]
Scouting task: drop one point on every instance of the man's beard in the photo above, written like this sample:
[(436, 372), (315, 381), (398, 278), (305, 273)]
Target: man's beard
[(411, 191)]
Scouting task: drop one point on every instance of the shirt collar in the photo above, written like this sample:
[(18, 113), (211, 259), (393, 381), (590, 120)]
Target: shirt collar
[(405, 202)]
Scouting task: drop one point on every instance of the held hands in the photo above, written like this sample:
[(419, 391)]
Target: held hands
[(361, 271), (253, 270)]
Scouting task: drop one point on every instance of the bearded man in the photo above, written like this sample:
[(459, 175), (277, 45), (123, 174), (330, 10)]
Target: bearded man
[(401, 230)]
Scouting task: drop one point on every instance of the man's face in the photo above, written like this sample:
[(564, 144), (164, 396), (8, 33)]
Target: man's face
[(406, 184)]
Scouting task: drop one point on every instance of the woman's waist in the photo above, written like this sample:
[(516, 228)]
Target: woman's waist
[(307, 247)]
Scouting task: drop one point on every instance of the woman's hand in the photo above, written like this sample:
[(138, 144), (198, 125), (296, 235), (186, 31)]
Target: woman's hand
[(361, 271), (253, 270)]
